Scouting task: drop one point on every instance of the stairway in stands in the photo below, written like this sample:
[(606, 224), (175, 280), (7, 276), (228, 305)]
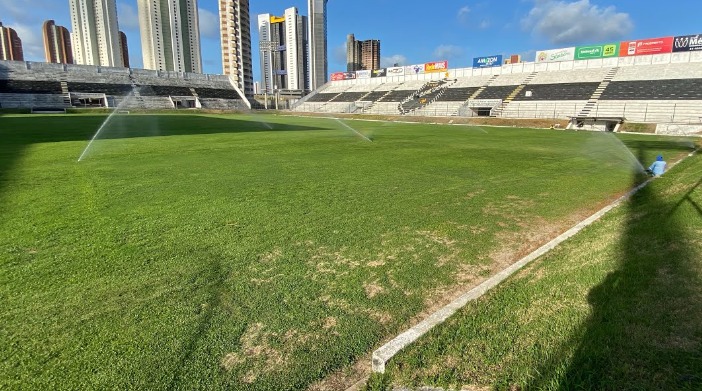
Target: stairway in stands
[(497, 111), (592, 102), (65, 93), (483, 87)]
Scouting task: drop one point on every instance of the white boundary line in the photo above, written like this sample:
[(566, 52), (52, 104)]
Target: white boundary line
[(383, 354)]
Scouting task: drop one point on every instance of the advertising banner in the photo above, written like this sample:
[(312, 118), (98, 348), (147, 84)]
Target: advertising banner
[(486, 62), (363, 74), (646, 46), (565, 54), (336, 76), (436, 66), (687, 43), (379, 72), (396, 71), (416, 69), (349, 75), (597, 51)]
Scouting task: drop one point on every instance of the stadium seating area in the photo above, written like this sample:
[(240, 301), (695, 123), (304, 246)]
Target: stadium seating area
[(637, 90), (30, 85)]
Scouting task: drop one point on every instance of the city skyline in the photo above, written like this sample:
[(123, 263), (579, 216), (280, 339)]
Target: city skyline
[(457, 33), (10, 44), (170, 35), (284, 51), (235, 34), (95, 33)]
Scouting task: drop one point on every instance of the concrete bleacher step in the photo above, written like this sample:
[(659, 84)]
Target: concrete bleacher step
[(483, 87), (497, 111), (595, 97)]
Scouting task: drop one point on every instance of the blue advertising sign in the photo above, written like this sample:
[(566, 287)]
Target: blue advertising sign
[(486, 62)]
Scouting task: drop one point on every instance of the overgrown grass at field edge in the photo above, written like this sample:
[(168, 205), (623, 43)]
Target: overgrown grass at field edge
[(191, 251), (618, 307)]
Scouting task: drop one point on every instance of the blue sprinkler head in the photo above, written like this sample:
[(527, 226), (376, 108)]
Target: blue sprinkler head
[(659, 158)]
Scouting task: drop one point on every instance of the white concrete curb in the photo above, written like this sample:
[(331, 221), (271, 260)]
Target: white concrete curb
[(382, 355)]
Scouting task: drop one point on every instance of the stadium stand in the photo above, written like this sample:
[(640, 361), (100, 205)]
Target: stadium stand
[(650, 88), (33, 84)]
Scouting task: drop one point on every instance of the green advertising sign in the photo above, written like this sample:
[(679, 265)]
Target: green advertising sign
[(596, 51)]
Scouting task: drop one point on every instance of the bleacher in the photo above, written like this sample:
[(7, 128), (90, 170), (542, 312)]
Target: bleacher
[(557, 91), (30, 87), (644, 88), (671, 89), (101, 88), (21, 83)]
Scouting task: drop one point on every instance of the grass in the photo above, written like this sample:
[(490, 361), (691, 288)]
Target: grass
[(212, 252), (619, 307)]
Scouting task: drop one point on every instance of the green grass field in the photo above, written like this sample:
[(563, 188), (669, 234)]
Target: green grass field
[(264, 252), (619, 307)]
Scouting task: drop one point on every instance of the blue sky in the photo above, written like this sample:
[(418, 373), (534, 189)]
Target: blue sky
[(412, 31)]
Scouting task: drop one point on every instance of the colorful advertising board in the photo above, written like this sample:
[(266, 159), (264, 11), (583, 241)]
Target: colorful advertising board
[(597, 51), (336, 76), (363, 74), (379, 72), (646, 47), (349, 75), (415, 69), (486, 62), (687, 43), (396, 71), (555, 55), (436, 66)]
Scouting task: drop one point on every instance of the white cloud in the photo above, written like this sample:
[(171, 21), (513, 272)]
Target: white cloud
[(127, 16), (572, 22), (209, 24), (339, 54), (447, 52), (32, 42), (21, 11), (463, 14), (392, 60)]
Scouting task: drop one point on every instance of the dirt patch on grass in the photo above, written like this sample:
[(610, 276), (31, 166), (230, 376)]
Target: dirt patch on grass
[(373, 289), (486, 121), (255, 346)]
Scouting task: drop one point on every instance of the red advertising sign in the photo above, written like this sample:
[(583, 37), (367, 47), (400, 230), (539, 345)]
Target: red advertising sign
[(336, 76), (646, 46), (437, 66)]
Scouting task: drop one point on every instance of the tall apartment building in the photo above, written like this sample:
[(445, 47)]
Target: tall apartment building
[(319, 66), (362, 54), (95, 33), (235, 30), (170, 35), (124, 48), (283, 50), (10, 45), (57, 43)]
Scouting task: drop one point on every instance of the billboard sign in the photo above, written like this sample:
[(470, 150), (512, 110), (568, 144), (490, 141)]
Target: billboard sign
[(436, 66), (416, 69), (396, 71), (379, 72), (597, 51), (363, 74), (349, 75), (336, 76), (687, 43), (486, 62), (555, 55), (646, 47)]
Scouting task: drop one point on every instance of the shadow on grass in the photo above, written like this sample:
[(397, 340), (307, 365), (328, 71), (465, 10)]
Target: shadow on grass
[(645, 327)]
